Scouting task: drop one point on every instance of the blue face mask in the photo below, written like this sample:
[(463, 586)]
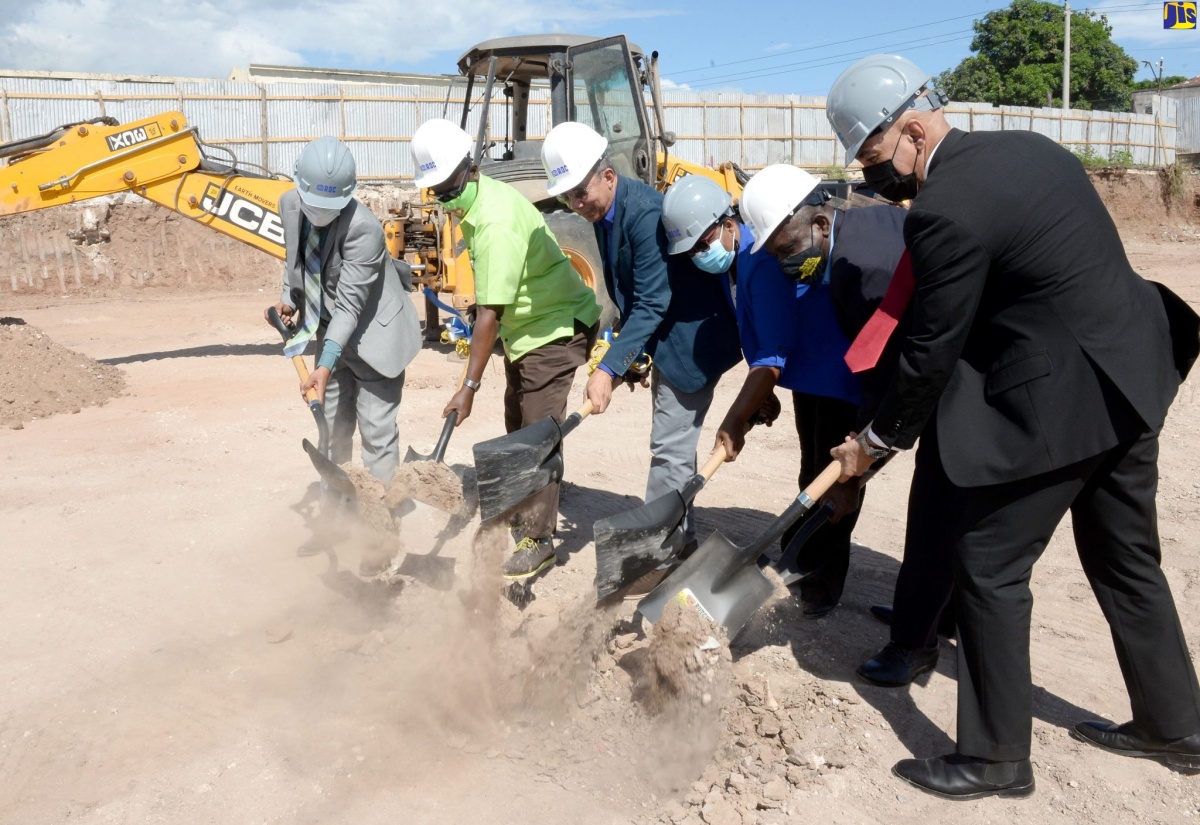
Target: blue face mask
[(716, 259)]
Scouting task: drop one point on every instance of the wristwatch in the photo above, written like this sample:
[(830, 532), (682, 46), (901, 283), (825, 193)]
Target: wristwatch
[(467, 382), (869, 448)]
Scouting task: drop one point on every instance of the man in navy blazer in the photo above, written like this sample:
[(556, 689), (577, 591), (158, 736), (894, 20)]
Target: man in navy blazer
[(689, 330)]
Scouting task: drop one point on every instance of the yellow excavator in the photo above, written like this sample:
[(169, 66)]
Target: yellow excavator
[(162, 158)]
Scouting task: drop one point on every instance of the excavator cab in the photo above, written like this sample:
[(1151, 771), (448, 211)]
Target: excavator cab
[(596, 82)]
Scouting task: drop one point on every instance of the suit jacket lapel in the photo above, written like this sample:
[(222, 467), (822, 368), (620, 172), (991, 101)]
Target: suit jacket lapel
[(291, 229)]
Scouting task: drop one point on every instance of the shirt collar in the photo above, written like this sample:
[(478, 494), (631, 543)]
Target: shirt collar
[(610, 215), (929, 160)]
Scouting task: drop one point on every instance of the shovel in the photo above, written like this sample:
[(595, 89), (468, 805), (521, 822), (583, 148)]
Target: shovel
[(722, 580), (631, 544), (434, 485), (436, 571), (314, 403), (511, 468), (330, 473)]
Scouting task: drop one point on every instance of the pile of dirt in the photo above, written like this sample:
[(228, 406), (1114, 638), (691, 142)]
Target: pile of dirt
[(429, 481), (41, 378)]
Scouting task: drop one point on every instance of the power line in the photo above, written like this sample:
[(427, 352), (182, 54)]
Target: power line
[(830, 45), (829, 60)]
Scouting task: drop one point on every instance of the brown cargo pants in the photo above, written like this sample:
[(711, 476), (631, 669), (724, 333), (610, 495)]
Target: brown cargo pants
[(538, 385)]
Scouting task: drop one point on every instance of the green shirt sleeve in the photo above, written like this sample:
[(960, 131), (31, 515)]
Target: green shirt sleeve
[(498, 255)]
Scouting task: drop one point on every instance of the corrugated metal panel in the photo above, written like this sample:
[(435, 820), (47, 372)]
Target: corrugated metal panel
[(377, 120), (1189, 124)]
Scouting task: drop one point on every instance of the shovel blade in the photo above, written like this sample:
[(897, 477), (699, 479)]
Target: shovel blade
[(631, 544), (412, 455), (716, 582), (333, 475), (435, 571), (511, 468)]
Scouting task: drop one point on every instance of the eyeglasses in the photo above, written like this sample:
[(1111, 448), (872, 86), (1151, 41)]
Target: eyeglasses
[(578, 193), (706, 240)]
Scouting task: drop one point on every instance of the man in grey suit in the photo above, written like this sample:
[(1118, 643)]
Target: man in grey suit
[(354, 302)]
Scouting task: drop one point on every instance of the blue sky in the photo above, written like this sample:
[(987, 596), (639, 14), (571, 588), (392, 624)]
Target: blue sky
[(761, 46)]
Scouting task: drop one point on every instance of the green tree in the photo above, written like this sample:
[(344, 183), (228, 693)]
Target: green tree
[(1167, 82), (1019, 60)]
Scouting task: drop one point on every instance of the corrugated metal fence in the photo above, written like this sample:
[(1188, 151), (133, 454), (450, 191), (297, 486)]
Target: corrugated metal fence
[(267, 124)]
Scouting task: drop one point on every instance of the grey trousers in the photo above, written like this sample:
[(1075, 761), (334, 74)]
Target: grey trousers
[(358, 395), (674, 434)]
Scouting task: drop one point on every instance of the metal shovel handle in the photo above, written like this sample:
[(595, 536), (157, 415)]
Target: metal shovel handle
[(576, 418), (439, 449)]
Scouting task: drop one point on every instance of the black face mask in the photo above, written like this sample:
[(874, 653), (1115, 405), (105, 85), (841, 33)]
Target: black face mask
[(884, 179), (463, 180), (804, 267)]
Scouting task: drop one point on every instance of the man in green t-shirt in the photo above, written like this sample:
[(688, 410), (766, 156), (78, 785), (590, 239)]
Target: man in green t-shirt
[(527, 292)]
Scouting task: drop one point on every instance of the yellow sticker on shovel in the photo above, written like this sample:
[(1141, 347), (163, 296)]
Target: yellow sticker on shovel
[(688, 599)]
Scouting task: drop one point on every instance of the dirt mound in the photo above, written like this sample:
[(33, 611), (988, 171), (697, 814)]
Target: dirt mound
[(41, 378), (429, 481), (1151, 203)]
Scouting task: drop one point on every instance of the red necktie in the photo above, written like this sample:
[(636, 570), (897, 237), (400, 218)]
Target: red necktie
[(868, 345)]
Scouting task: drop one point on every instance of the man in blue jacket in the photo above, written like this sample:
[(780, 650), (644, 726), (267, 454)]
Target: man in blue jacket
[(689, 332)]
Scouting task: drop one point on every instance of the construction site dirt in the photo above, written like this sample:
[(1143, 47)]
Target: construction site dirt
[(184, 639)]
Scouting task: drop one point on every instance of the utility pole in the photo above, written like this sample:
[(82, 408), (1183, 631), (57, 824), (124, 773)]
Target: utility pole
[(1066, 95)]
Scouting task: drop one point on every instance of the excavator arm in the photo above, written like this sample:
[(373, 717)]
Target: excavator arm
[(161, 158)]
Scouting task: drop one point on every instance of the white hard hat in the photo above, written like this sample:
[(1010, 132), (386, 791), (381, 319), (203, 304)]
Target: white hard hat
[(689, 208), (873, 92), (771, 196), (325, 174), (569, 152), (438, 148)]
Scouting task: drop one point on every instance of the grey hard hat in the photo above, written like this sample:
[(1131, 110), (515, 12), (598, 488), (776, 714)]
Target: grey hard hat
[(325, 174), (873, 92), (690, 207)]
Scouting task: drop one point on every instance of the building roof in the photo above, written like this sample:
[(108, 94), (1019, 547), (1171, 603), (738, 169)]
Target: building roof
[(1187, 84)]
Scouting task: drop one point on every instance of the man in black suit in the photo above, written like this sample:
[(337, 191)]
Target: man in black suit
[(1044, 367)]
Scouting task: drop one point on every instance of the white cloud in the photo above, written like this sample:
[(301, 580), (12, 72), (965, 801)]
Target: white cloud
[(207, 39), (1134, 28), (668, 85), (777, 47)]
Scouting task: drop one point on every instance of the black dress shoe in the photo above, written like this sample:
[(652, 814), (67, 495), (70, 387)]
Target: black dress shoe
[(1128, 741), (895, 666), (882, 612), (961, 777)]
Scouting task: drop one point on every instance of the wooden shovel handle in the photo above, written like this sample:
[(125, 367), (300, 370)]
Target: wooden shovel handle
[(587, 409), (821, 484), (714, 461), (302, 371)]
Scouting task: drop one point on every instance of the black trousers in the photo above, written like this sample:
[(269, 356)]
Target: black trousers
[(822, 424), (1003, 531), (925, 582)]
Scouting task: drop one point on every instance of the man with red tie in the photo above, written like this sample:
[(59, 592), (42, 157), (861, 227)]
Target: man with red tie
[(1040, 367)]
